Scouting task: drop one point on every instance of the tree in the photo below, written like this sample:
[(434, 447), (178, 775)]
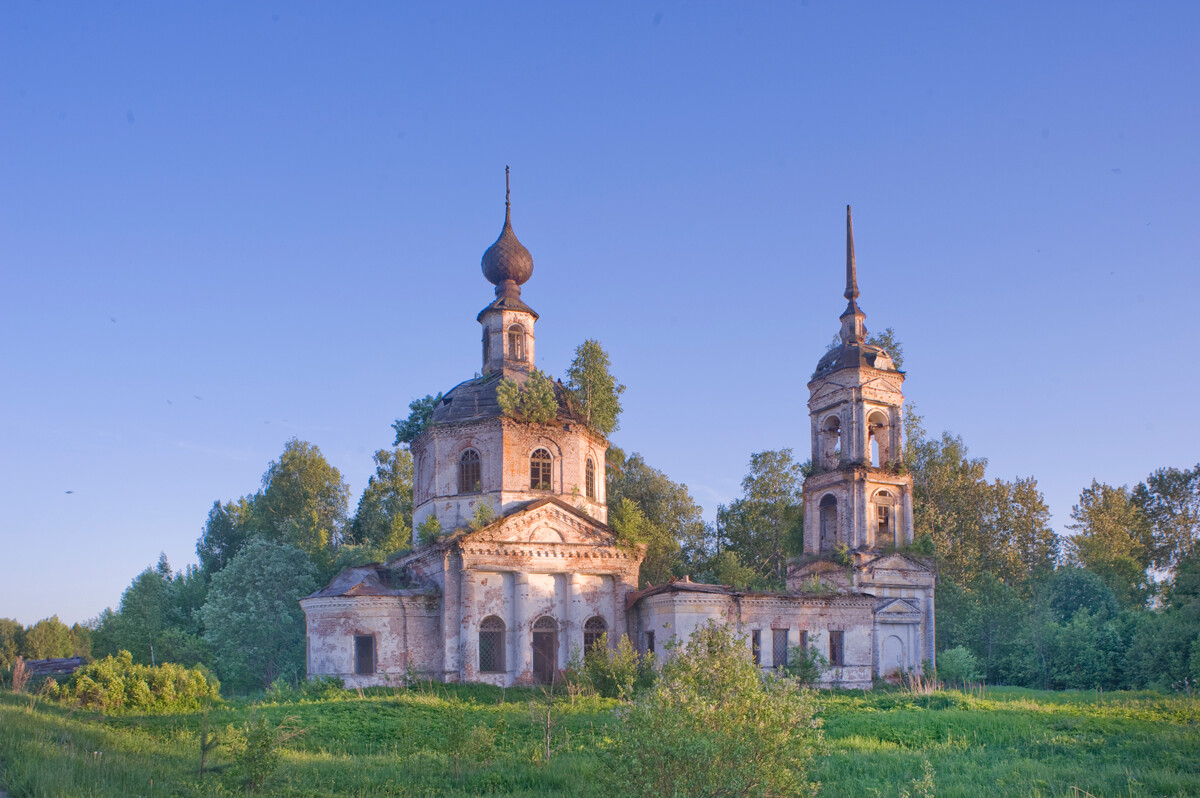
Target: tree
[(49, 638), (420, 416), (765, 526), (304, 500), (676, 534), (532, 401), (11, 634), (252, 618), (888, 342), (594, 388), (1112, 538), (714, 726), (226, 531), (384, 516), (1170, 500)]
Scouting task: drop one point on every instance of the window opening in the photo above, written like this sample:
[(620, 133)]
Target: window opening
[(589, 478), (804, 642), (545, 649), (756, 646), (779, 646), (364, 654), (487, 347), (593, 630), (491, 645), (837, 648), (885, 531), (831, 442), (829, 522), (539, 470), (880, 431), (516, 343), (650, 642), (469, 472)]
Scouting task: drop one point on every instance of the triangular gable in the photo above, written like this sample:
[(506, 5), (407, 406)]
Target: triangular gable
[(895, 562), (545, 521), (897, 607)]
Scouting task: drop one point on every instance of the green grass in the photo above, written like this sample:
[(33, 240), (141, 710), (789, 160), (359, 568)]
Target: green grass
[(997, 741)]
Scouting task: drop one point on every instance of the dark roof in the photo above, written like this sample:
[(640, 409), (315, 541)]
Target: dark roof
[(475, 399), (851, 356), (53, 667), (373, 579)]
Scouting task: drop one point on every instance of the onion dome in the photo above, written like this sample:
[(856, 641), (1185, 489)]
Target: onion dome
[(507, 264)]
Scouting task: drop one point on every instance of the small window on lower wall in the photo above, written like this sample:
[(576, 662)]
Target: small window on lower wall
[(650, 642), (364, 654), (756, 646), (837, 648), (779, 652)]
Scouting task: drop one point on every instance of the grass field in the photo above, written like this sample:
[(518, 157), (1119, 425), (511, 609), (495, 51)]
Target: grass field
[(478, 740)]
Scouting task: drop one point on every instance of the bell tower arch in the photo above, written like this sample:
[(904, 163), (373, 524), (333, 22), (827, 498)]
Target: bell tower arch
[(859, 495)]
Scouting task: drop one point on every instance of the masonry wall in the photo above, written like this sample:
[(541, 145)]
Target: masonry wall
[(406, 631)]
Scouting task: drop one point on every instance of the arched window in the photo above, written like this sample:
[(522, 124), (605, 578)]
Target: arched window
[(516, 342), (831, 442), (879, 429), (468, 472), (539, 470), (593, 630), (885, 530), (491, 645), (487, 346), (589, 478), (829, 523)]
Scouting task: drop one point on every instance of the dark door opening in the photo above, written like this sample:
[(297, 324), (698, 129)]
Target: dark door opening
[(545, 648)]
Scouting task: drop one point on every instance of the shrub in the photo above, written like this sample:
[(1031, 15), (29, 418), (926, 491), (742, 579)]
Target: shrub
[(116, 684), (805, 667), (958, 666), (714, 725), (616, 672), (255, 750)]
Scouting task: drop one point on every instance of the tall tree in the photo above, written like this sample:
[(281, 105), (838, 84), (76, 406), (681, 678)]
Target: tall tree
[(594, 388), (765, 526), (304, 499), (1170, 500), (1112, 538), (252, 618), (226, 530), (384, 516), (676, 534), (11, 633), (420, 416)]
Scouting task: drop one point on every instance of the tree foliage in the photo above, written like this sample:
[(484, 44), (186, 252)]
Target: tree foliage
[(1170, 501), (420, 416), (594, 389), (304, 499), (674, 530), (765, 526), (117, 683), (712, 725), (1113, 539), (531, 402), (49, 638), (383, 520), (888, 342), (11, 634), (252, 618)]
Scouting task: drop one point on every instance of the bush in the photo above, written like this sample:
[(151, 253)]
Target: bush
[(255, 750), (805, 667), (714, 725), (616, 672), (958, 666), (116, 684)]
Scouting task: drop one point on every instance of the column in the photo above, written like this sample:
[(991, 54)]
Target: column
[(520, 651), (572, 631), (468, 658)]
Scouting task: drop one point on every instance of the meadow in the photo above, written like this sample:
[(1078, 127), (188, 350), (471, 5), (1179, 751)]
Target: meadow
[(462, 740)]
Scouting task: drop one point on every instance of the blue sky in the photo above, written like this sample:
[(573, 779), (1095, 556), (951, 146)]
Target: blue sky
[(225, 225)]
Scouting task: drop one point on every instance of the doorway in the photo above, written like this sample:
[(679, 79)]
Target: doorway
[(545, 649)]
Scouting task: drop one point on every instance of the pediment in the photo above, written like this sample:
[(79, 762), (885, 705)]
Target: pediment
[(897, 607), (547, 521), (895, 562)]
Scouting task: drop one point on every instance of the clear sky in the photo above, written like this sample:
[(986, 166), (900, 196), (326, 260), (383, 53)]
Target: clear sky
[(223, 225)]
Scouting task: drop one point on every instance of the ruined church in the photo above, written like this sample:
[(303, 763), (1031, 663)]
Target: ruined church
[(507, 602)]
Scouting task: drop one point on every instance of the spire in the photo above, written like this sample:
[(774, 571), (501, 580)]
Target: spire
[(508, 205), (852, 331), (507, 264), (851, 273)]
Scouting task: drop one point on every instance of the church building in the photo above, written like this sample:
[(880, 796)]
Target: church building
[(505, 594)]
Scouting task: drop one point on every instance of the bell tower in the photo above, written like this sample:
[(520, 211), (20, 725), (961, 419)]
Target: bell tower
[(860, 494), (507, 321)]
